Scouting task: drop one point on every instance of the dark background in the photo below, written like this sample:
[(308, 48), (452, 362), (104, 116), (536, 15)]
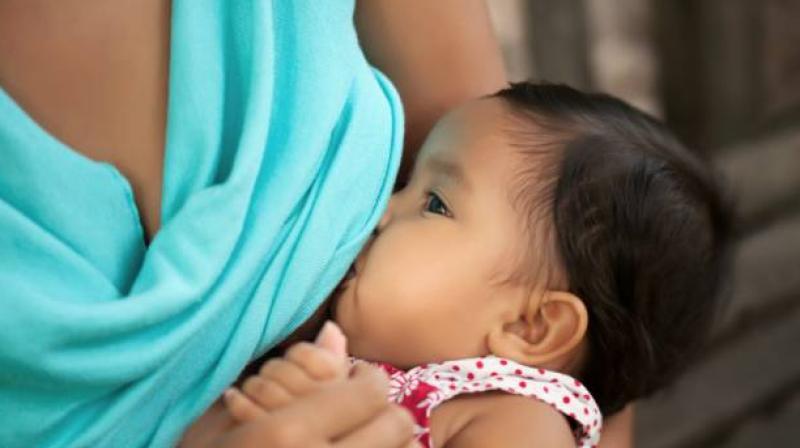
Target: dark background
[(725, 74)]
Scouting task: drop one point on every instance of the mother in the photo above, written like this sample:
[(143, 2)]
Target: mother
[(180, 186)]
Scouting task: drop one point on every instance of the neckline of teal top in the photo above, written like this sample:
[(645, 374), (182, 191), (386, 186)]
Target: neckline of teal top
[(281, 151)]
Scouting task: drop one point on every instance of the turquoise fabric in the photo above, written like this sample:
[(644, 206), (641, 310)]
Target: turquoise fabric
[(282, 148)]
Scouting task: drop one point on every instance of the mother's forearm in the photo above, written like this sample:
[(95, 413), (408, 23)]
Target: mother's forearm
[(438, 53), (618, 430)]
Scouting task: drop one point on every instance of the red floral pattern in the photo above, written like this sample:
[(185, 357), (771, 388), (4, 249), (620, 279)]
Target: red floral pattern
[(423, 388)]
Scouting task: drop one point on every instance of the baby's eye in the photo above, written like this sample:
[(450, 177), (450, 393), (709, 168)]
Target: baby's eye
[(435, 204)]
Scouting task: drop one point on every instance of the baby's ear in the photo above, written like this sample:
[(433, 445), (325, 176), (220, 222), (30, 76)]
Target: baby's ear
[(546, 335)]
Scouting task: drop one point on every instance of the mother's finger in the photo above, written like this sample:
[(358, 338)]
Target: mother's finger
[(342, 407)]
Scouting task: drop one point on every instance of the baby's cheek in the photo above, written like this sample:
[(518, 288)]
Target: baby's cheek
[(389, 301), (389, 333)]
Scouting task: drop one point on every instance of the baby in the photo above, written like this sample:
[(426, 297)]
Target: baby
[(558, 252)]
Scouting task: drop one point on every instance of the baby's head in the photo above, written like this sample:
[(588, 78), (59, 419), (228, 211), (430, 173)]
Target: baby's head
[(559, 229)]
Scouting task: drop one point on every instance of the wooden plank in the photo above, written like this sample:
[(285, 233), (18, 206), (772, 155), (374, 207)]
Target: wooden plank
[(680, 72), (764, 174), (781, 81), (623, 60), (766, 271), (725, 386), (558, 37), (730, 39), (772, 428), (710, 63)]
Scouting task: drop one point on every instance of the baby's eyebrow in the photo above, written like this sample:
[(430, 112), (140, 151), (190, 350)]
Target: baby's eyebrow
[(449, 170)]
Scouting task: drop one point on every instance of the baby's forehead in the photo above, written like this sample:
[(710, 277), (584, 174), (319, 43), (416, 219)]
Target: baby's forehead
[(486, 138), (468, 133)]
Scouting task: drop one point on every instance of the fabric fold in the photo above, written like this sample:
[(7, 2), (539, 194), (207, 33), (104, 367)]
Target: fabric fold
[(282, 148)]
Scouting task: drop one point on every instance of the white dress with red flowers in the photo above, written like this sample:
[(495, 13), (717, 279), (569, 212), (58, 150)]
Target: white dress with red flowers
[(422, 388)]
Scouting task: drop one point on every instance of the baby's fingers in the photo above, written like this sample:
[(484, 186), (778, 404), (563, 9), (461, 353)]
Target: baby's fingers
[(332, 338), (320, 364), (289, 375), (241, 408), (266, 393)]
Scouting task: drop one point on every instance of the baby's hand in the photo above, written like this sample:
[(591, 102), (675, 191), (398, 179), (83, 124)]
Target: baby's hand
[(304, 369), (312, 398)]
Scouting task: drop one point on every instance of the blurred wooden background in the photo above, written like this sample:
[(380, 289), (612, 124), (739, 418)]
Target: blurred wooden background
[(725, 74)]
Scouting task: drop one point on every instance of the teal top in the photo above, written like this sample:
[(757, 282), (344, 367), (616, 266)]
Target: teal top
[(282, 148)]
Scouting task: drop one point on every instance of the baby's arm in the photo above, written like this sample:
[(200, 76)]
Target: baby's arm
[(510, 421)]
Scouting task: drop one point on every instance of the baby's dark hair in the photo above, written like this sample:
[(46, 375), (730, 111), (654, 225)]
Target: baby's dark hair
[(640, 227)]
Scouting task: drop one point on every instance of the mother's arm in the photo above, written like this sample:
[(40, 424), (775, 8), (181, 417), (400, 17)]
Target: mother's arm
[(438, 54), (618, 430)]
